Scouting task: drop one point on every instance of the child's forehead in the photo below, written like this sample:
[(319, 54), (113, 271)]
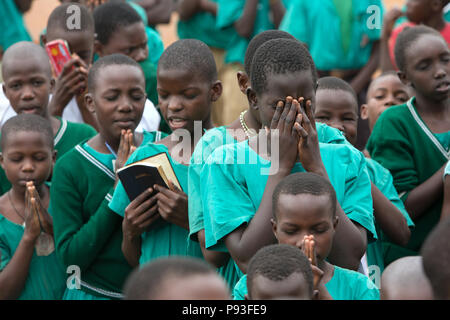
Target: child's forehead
[(336, 98), (19, 137), (123, 73), (182, 75), (31, 66), (73, 37)]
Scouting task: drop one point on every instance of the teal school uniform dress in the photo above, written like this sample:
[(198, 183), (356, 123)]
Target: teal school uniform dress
[(211, 140), (69, 135), (228, 12), (320, 29), (164, 239), (344, 285), (235, 190), (46, 276), (402, 143), (382, 179), (87, 233)]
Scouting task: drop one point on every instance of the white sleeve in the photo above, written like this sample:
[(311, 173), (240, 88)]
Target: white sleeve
[(150, 118)]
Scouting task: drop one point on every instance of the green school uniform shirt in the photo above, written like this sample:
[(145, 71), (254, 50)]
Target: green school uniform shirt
[(202, 26), (228, 12), (235, 190), (382, 179), (211, 140), (12, 25), (87, 233), (344, 285), (317, 24), (402, 143), (46, 278), (69, 135), (164, 239)]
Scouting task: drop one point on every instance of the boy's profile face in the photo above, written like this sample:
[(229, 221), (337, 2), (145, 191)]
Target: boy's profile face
[(305, 214), (427, 67), (185, 97), (129, 40), (27, 156), (278, 87), (338, 109), (294, 286), (80, 42), (384, 92), (118, 99), (27, 85)]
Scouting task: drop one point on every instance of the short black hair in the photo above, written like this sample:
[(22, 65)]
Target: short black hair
[(60, 16), (113, 59), (192, 55), (279, 56), (111, 16), (303, 183), (334, 83), (26, 50), (406, 38), (258, 40), (277, 262), (27, 123), (436, 259), (144, 283)]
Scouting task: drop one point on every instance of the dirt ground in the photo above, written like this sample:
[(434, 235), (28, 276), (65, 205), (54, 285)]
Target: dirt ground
[(36, 19)]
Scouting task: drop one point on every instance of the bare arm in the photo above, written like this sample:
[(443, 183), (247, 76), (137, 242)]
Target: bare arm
[(360, 81), (425, 195), (278, 10), (216, 258), (391, 220), (388, 24), (158, 11), (244, 25), (446, 204)]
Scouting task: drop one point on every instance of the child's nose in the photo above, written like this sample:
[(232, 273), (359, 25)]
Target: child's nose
[(28, 166), (141, 55), (125, 105), (27, 93), (175, 104)]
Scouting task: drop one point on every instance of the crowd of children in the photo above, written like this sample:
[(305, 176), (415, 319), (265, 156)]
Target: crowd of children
[(280, 193)]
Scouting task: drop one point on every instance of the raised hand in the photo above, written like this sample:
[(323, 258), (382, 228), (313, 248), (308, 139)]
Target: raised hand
[(126, 148), (282, 131), (32, 225), (389, 21), (173, 205), (45, 220), (72, 81), (308, 144)]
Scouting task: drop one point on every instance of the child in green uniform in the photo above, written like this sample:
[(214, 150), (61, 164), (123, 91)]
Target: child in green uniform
[(70, 86), (236, 201), (27, 155), (304, 215), (239, 130), (337, 106), (176, 278), (277, 271), (412, 140), (27, 74), (187, 85), (87, 233), (436, 260), (119, 29)]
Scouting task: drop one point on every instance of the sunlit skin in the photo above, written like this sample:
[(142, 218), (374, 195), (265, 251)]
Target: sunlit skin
[(193, 287), (338, 109), (294, 286), (384, 92)]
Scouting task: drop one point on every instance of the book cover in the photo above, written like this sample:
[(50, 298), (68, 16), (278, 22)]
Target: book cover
[(141, 175)]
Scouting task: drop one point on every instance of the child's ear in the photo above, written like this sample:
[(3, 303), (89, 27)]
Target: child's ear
[(55, 153), (52, 84), (4, 90), (216, 90), (98, 48), (44, 39), (89, 100), (364, 112), (1, 160), (315, 295), (243, 80), (402, 76), (251, 97), (335, 222), (274, 227)]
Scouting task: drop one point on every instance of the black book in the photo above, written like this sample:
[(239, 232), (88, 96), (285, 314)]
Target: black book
[(141, 175)]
